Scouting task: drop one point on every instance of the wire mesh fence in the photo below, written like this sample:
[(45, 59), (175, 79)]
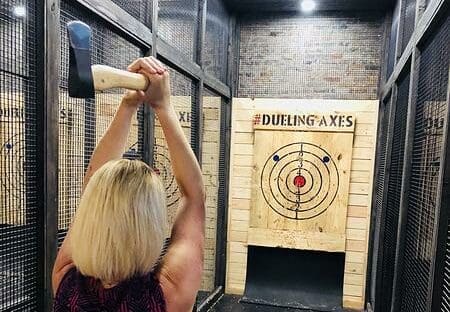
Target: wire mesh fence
[(178, 22), (19, 212), (378, 207), (409, 20), (392, 206), (392, 44), (216, 40), (445, 295), (139, 9), (83, 122), (431, 111)]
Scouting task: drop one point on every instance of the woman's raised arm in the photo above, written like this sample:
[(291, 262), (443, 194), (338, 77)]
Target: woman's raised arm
[(181, 268)]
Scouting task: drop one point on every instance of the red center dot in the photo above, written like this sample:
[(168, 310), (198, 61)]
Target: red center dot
[(299, 181)]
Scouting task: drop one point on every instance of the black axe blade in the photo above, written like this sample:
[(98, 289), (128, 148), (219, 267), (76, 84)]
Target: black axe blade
[(81, 82)]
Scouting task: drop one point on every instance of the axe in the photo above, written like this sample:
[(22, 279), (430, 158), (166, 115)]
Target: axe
[(84, 79)]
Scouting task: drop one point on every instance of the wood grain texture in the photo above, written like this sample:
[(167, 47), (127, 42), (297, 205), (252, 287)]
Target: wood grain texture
[(243, 153), (327, 214)]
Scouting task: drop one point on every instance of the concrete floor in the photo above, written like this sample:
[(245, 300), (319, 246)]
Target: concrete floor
[(230, 303)]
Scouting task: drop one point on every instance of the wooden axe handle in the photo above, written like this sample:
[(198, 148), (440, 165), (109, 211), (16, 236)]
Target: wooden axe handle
[(106, 77)]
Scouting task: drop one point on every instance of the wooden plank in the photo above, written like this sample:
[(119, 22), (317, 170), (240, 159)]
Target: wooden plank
[(362, 153), (239, 203), (361, 164), (244, 182), (359, 188), (244, 149), (238, 247), (353, 302), (244, 114), (356, 234), (238, 258), (240, 215), (358, 200), (243, 160), (241, 193), (243, 171), (234, 289), (356, 268), (307, 105), (358, 211), (296, 240), (353, 290), (355, 245), (236, 236), (356, 223), (354, 279), (246, 138), (239, 225), (355, 256), (364, 141), (360, 176), (114, 14), (243, 126)]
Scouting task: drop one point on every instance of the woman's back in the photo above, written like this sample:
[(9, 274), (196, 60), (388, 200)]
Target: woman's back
[(80, 293), (120, 224)]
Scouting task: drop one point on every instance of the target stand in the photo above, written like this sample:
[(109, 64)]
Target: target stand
[(301, 181)]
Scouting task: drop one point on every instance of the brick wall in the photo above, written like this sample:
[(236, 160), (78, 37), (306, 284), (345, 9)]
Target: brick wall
[(327, 56)]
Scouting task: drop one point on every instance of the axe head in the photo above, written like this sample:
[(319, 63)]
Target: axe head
[(81, 83)]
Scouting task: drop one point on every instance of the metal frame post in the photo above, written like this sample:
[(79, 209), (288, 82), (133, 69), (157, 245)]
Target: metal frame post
[(406, 175), (48, 14)]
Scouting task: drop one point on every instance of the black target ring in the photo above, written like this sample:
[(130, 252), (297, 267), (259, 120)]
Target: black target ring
[(318, 186), (161, 163), (13, 152), (302, 202), (285, 195), (289, 179)]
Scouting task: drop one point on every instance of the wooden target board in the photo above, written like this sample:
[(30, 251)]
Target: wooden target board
[(301, 180)]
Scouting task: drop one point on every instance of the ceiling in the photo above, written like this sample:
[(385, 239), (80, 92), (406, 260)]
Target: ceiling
[(249, 6)]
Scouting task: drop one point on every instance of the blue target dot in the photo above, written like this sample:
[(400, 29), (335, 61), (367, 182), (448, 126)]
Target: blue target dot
[(8, 146), (276, 158), (326, 159)]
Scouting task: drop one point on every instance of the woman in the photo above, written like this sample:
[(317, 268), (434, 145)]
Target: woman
[(107, 260)]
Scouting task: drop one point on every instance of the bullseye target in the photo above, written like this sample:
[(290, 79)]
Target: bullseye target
[(300, 181), (161, 164)]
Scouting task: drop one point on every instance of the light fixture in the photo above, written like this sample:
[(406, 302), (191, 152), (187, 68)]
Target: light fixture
[(20, 11), (308, 5)]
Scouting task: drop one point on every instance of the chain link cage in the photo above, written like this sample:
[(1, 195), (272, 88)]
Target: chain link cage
[(178, 22), (216, 40), (139, 9), (19, 210), (378, 209), (392, 44), (409, 20), (82, 122), (428, 143), (392, 207)]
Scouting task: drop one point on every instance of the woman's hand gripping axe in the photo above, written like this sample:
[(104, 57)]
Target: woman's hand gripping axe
[(84, 79)]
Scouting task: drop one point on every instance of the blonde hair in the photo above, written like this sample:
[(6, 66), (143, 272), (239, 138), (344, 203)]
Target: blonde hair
[(119, 227)]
